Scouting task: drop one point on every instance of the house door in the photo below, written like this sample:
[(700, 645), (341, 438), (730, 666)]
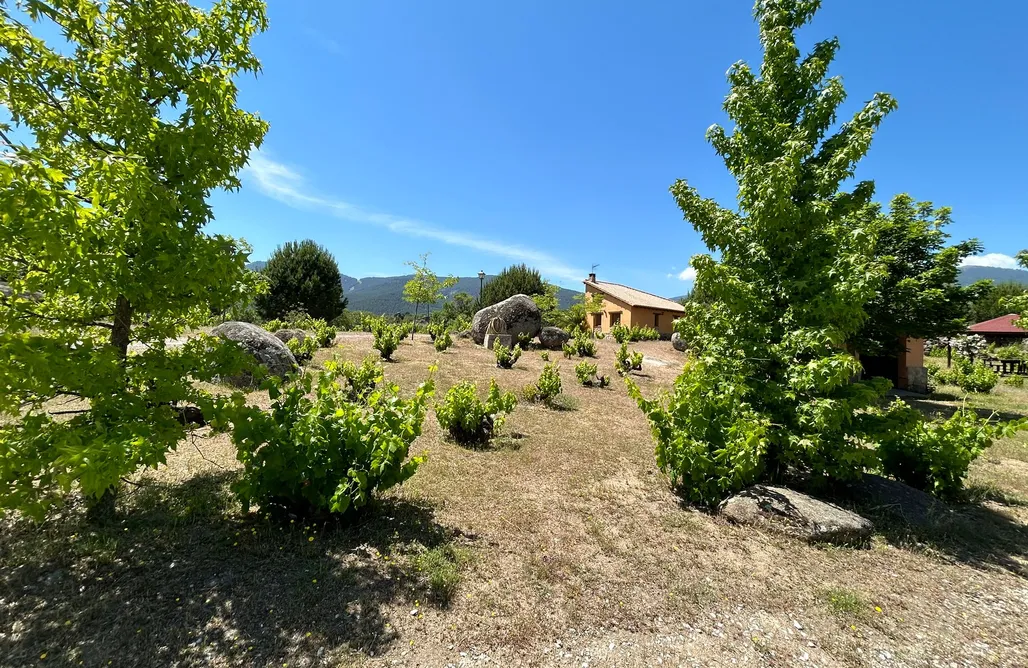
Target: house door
[(656, 321)]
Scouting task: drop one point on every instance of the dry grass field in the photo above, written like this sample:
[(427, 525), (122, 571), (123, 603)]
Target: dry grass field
[(559, 545)]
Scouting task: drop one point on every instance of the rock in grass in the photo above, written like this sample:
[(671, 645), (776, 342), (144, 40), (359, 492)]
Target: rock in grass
[(795, 514), (916, 508), (553, 338), (519, 313), (262, 345), (285, 335)]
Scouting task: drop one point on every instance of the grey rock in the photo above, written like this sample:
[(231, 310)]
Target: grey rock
[(553, 338), (262, 345), (285, 335), (492, 340), (899, 500), (519, 313), (678, 343), (795, 514)]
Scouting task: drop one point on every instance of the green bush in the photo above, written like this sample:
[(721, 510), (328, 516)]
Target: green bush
[(586, 374), (360, 380), (1014, 381), (505, 357), (581, 344), (304, 350), (387, 339), (968, 376), (468, 420), (326, 453), (442, 341), (524, 340), (710, 441), (626, 334), (977, 377), (516, 279), (625, 361), (1011, 352), (305, 275), (935, 456), (544, 356), (547, 389)]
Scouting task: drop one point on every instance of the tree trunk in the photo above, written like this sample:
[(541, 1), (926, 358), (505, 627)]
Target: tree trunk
[(102, 510), (122, 327), (414, 324)]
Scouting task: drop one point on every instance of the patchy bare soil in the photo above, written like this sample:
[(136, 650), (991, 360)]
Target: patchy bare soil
[(573, 552)]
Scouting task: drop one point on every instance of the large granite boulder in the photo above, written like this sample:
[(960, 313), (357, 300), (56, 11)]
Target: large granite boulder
[(678, 343), (519, 313), (285, 335), (553, 338), (900, 500), (795, 514), (262, 345)]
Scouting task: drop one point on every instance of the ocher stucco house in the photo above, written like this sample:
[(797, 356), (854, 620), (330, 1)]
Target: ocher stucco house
[(631, 307)]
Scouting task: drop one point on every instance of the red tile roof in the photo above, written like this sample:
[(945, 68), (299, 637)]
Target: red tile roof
[(1001, 325)]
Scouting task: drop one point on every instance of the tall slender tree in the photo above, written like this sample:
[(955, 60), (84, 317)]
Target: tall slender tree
[(424, 287), (118, 137), (770, 389)]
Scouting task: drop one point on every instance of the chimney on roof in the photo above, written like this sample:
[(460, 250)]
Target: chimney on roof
[(592, 277)]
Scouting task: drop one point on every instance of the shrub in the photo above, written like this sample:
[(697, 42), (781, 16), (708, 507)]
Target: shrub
[(626, 334), (581, 344), (977, 377), (967, 375), (544, 356), (304, 350), (1011, 352), (360, 380), (625, 361), (442, 341), (326, 453), (516, 279), (305, 275), (1014, 381), (387, 340), (710, 441), (524, 340), (324, 334), (586, 374), (935, 456), (468, 420), (505, 357), (547, 389)]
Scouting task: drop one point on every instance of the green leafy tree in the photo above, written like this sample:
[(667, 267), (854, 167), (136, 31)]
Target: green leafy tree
[(995, 301), (424, 287), (302, 276), (116, 140), (517, 279), (1020, 304), (770, 389), (458, 306), (919, 296)]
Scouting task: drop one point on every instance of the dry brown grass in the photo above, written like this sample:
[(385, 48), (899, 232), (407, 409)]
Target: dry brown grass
[(576, 553)]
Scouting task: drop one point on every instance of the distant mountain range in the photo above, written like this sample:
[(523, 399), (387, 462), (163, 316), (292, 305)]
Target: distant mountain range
[(969, 275), (384, 294)]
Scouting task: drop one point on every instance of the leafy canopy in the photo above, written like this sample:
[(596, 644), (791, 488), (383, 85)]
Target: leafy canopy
[(1019, 304), (302, 276), (919, 296), (517, 279), (116, 140), (770, 389), (425, 287)]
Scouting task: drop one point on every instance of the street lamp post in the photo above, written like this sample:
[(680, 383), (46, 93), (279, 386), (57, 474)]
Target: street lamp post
[(481, 280)]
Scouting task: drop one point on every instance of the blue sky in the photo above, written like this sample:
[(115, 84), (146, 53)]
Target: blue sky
[(548, 132)]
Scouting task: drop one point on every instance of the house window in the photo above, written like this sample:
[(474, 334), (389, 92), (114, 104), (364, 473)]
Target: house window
[(656, 321), (615, 318), (597, 320)]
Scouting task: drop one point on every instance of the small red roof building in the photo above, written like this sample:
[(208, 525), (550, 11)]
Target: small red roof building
[(1005, 325)]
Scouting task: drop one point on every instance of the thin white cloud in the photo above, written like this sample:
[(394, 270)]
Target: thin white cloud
[(281, 183), (687, 274), (998, 260)]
